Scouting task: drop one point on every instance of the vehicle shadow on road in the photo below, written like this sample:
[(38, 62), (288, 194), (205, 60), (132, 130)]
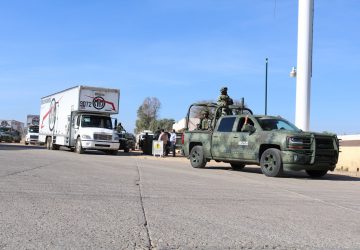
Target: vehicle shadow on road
[(19, 147), (120, 153), (331, 176)]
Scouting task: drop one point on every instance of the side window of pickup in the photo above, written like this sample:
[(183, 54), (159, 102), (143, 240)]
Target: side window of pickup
[(226, 124), (242, 122)]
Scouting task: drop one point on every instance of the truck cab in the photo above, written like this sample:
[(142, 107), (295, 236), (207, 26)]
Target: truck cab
[(32, 135), (93, 131)]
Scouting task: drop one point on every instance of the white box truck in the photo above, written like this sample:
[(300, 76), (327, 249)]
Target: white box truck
[(80, 118), (32, 129)]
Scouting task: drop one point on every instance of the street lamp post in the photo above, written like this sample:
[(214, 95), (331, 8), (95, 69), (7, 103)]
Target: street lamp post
[(266, 78)]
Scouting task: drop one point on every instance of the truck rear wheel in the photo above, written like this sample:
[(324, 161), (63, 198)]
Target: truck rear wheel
[(78, 147), (271, 162), (316, 173), (197, 158)]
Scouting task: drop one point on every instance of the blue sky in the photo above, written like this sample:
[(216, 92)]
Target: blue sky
[(180, 51)]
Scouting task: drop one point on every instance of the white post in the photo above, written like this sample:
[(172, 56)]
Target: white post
[(304, 63)]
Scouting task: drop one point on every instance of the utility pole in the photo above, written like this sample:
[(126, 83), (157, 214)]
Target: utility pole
[(304, 63), (266, 78)]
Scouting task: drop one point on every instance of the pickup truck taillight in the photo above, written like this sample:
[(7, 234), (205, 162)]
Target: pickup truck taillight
[(182, 138)]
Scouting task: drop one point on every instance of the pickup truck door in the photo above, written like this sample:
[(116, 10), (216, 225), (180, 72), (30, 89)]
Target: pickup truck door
[(221, 141), (243, 141)]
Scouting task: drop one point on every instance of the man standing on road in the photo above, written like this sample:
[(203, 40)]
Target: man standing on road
[(173, 141)]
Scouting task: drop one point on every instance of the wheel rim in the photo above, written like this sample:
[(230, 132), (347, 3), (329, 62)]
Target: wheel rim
[(195, 156), (270, 163)]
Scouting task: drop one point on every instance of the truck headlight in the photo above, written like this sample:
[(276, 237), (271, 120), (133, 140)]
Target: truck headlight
[(295, 140), (298, 142), (86, 137)]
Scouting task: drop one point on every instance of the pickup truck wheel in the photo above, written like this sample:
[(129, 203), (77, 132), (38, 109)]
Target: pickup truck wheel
[(78, 146), (197, 158), (271, 162), (316, 173), (237, 166)]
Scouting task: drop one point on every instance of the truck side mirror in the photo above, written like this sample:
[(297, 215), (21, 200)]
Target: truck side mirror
[(115, 124)]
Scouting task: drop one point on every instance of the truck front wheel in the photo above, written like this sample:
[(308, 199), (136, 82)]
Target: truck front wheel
[(271, 162), (78, 147), (197, 158)]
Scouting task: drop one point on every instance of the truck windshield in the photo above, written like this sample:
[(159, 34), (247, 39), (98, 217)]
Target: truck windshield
[(33, 129), (268, 124), (94, 121)]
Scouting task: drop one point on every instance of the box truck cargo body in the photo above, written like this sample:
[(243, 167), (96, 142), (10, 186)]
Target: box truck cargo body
[(80, 118)]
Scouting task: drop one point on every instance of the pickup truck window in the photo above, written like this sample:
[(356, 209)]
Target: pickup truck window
[(241, 123), (226, 124), (269, 124)]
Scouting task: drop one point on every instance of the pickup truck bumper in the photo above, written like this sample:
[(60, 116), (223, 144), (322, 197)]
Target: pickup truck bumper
[(324, 160), (100, 145)]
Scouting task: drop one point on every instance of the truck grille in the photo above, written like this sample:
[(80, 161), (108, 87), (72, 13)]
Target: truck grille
[(34, 137), (103, 137), (324, 143), (325, 150)]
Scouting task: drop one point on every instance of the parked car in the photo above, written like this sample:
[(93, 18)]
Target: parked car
[(5, 137)]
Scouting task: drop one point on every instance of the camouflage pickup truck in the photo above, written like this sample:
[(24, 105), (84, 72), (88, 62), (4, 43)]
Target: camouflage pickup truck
[(275, 144)]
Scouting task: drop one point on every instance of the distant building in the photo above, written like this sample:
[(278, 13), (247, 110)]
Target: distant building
[(180, 125)]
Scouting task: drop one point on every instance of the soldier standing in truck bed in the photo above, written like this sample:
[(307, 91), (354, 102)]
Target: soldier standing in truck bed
[(205, 121), (224, 101)]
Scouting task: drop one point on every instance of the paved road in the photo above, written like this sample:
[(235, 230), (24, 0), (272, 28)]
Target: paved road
[(58, 199)]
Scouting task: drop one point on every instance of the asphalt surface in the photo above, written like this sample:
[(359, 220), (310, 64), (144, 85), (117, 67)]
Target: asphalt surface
[(59, 199)]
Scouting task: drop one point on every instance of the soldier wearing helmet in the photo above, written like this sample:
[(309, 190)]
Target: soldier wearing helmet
[(224, 101), (205, 121)]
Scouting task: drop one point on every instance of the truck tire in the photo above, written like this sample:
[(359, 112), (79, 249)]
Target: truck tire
[(271, 163), (197, 158), (78, 147), (26, 143), (237, 166), (126, 150), (316, 173)]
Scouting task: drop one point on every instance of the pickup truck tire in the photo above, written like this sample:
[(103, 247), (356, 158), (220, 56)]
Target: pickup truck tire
[(316, 173), (197, 158), (271, 162), (237, 166), (78, 147)]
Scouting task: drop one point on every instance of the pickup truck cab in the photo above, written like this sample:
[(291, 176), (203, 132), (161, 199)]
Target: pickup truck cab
[(269, 141)]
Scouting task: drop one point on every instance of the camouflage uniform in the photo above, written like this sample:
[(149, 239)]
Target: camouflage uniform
[(205, 121), (224, 101)]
